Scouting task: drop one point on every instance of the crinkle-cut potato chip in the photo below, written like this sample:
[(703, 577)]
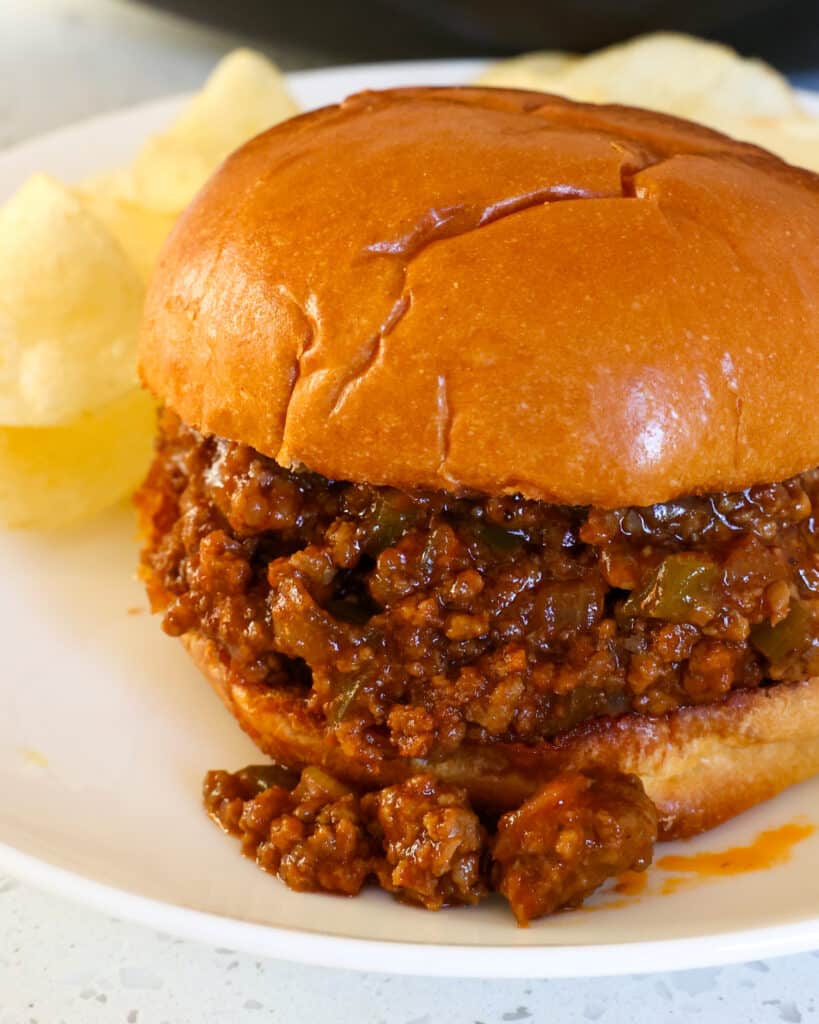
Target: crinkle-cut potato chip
[(529, 71), (70, 307), (665, 71), (244, 95), (139, 229), (54, 476)]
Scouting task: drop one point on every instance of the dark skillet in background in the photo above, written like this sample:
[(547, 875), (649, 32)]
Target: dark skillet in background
[(785, 32)]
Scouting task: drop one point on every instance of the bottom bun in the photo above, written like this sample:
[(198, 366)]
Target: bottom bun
[(699, 765)]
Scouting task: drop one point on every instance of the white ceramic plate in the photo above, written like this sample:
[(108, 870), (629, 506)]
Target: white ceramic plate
[(107, 730)]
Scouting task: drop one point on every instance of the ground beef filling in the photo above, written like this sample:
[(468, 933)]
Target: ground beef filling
[(311, 834), (422, 841), (412, 622), (433, 842), (567, 839)]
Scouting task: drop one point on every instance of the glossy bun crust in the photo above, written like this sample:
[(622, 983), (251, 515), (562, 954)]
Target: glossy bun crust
[(699, 765), (499, 291)]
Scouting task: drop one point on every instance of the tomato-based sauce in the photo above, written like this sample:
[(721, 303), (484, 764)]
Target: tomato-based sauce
[(413, 622), (768, 850), (673, 872), (410, 623), (631, 883), (423, 842)]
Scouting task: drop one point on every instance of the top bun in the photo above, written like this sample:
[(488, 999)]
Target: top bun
[(499, 291)]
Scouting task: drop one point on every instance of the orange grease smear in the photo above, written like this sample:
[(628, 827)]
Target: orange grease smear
[(631, 883), (768, 850), (628, 887)]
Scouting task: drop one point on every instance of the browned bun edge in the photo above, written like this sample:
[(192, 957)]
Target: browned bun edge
[(699, 765)]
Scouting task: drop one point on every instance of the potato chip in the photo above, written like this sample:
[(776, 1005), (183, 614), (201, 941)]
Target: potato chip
[(664, 71), (245, 94), (529, 71), (138, 229), (53, 476), (70, 306), (680, 75), (117, 183), (795, 139)]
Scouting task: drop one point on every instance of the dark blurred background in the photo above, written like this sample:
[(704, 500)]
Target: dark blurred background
[(785, 32)]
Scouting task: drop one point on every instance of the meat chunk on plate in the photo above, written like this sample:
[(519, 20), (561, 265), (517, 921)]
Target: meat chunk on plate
[(569, 837), (313, 836), (434, 842)]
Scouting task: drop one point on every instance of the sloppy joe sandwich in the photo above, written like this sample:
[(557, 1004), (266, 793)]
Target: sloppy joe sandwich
[(483, 492)]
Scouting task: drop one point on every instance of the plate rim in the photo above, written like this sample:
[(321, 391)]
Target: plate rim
[(433, 959), (166, 106)]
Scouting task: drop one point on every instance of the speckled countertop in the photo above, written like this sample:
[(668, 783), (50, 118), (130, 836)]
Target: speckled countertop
[(61, 964)]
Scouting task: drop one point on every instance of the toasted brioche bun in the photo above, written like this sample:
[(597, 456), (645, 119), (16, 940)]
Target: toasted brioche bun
[(699, 765), (500, 291)]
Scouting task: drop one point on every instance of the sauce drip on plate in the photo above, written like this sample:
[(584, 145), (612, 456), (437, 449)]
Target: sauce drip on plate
[(677, 871), (768, 850)]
